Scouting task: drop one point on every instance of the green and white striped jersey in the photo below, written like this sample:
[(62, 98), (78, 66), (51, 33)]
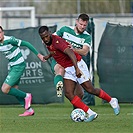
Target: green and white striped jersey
[(11, 50), (77, 40)]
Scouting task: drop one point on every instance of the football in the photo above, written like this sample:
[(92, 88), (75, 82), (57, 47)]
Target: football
[(77, 115)]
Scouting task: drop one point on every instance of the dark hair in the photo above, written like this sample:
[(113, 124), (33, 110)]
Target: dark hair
[(43, 29), (1, 28), (84, 17)]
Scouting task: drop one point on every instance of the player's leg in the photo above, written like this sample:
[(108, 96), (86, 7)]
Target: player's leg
[(87, 85), (102, 94), (7, 89), (88, 98), (29, 111), (69, 88), (79, 90), (58, 79), (20, 95), (11, 81), (21, 100)]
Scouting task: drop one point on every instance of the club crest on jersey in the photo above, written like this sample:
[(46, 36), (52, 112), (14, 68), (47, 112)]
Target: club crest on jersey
[(57, 41), (81, 41)]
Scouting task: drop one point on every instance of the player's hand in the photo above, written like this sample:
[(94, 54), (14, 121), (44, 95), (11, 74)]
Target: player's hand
[(78, 72), (46, 57), (41, 57)]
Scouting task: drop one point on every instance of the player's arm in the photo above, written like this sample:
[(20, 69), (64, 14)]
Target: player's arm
[(30, 46), (48, 56), (18, 42), (33, 49), (86, 46), (72, 56), (84, 51)]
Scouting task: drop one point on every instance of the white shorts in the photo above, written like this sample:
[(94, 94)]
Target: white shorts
[(70, 73)]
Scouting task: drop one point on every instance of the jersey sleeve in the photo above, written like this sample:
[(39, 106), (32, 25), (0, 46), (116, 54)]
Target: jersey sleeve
[(88, 41), (18, 42), (14, 41), (30, 46)]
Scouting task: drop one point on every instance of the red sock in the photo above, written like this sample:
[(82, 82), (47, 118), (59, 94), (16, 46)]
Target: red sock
[(79, 104), (104, 96)]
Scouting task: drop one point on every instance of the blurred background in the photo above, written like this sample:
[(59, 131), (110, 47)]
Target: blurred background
[(62, 12), (115, 61), (30, 13)]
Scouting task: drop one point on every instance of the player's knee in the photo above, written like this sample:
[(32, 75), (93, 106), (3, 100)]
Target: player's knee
[(59, 70), (5, 90)]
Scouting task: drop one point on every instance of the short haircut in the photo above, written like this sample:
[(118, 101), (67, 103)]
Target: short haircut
[(1, 28), (43, 29), (84, 17)]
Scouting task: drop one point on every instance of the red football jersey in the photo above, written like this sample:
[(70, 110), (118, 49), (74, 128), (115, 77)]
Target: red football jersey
[(57, 47)]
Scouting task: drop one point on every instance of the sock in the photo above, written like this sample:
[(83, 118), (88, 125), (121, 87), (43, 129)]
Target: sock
[(21, 101), (57, 78), (104, 96), (113, 103), (76, 101), (29, 110), (17, 93), (90, 112)]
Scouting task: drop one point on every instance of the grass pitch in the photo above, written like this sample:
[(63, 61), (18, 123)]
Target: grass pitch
[(55, 118)]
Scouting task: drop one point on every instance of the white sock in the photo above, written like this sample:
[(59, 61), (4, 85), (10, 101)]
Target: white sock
[(90, 112), (30, 109), (27, 94), (113, 103)]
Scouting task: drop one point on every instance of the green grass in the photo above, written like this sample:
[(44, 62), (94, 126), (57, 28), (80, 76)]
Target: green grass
[(55, 118)]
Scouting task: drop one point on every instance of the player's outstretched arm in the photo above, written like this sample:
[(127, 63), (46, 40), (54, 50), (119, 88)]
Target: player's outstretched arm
[(33, 49), (41, 57), (47, 57)]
